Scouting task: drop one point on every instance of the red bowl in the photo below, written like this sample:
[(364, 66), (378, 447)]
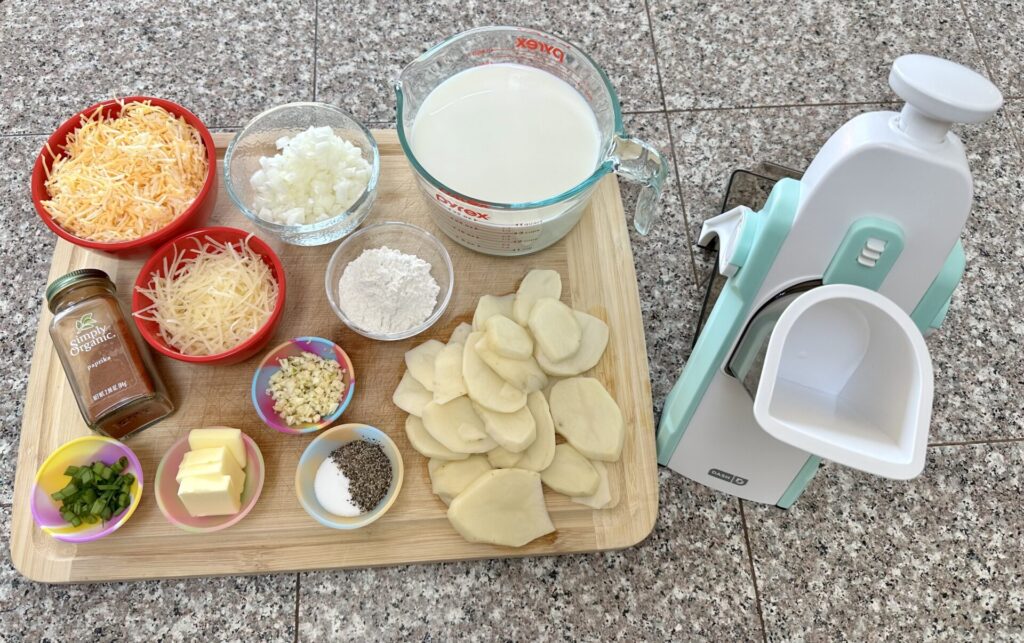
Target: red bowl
[(193, 216), (150, 330)]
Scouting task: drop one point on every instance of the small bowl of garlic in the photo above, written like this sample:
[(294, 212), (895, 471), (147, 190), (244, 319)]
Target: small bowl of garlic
[(303, 172), (303, 385)]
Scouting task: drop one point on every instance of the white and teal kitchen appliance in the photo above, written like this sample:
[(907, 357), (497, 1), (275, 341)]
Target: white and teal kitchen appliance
[(814, 347)]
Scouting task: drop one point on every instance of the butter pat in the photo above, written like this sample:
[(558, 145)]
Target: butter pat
[(210, 495), (230, 439), (211, 461)]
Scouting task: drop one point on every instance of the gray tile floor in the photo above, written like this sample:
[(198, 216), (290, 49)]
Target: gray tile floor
[(717, 86)]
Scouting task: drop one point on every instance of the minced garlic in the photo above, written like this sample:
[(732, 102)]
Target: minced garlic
[(307, 388)]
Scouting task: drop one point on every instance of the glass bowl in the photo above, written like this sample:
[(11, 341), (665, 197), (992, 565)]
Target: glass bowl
[(403, 237), (258, 139)]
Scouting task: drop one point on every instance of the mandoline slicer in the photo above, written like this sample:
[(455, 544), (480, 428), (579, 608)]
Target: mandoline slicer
[(814, 347)]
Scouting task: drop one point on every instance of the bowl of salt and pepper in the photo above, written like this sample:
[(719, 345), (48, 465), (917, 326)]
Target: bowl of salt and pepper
[(349, 476)]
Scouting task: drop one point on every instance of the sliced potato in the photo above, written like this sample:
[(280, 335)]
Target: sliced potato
[(507, 338), (513, 431), (489, 306), (410, 396), (501, 458), (471, 432), (555, 329), (425, 444), (538, 455), (449, 479), (537, 284), (593, 341), (502, 507), (460, 334), (602, 498), (570, 473), (457, 426), (486, 387), (448, 381), (588, 417), (420, 362), (551, 384), (524, 374)]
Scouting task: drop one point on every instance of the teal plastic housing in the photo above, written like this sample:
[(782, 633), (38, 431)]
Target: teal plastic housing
[(766, 231), (769, 227)]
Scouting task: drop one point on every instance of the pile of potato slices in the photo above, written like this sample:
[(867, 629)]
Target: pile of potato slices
[(485, 409)]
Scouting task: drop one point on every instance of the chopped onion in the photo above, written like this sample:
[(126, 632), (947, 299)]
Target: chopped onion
[(316, 176)]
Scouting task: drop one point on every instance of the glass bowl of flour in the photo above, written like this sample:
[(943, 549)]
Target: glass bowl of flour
[(389, 281)]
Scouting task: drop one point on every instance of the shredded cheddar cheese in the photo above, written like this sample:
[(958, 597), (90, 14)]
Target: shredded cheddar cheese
[(211, 301), (123, 178)]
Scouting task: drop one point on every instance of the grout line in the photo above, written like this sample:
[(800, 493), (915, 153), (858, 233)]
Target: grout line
[(628, 112), (645, 111), (657, 64), (753, 574), (672, 150), (316, 41), (988, 69), (732, 108), (298, 578), (974, 37), (1012, 124), (965, 443)]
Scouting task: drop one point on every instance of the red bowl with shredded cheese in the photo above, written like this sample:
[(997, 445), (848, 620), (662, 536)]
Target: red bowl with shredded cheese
[(192, 216), (189, 246)]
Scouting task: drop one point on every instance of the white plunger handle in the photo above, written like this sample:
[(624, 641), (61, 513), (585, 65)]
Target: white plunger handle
[(939, 93)]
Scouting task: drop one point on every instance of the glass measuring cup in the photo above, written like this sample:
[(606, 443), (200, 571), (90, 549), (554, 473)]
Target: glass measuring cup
[(521, 228)]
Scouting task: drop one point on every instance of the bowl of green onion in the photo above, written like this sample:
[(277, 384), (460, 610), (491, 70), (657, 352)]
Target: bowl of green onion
[(86, 489)]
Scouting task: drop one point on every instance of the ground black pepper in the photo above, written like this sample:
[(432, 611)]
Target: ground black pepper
[(368, 471)]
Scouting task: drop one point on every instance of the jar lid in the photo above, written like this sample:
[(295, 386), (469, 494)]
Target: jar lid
[(74, 278)]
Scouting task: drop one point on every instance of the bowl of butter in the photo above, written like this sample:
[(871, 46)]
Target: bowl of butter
[(209, 479)]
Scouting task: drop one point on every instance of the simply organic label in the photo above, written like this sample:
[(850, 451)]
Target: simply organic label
[(89, 334)]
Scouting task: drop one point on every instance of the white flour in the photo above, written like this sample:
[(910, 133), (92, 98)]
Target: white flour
[(387, 291)]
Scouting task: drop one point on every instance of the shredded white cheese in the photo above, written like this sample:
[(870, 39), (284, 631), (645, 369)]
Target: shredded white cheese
[(212, 301), (316, 176), (123, 178)]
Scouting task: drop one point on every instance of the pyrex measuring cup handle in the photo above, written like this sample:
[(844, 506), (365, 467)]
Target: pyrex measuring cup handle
[(638, 162)]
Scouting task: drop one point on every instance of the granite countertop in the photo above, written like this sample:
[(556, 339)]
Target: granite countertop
[(717, 87)]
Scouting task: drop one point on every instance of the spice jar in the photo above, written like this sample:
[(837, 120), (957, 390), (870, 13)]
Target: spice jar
[(111, 374)]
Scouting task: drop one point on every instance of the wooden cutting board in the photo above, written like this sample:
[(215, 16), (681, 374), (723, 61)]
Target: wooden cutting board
[(596, 264)]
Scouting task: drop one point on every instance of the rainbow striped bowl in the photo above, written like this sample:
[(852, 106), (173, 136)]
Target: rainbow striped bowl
[(320, 449), (271, 364), (165, 488), (50, 479)]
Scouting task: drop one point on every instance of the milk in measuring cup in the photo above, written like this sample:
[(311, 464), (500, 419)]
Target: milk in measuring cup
[(506, 133)]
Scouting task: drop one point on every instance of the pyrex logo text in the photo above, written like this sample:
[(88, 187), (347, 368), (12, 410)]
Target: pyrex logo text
[(455, 206), (530, 43)]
